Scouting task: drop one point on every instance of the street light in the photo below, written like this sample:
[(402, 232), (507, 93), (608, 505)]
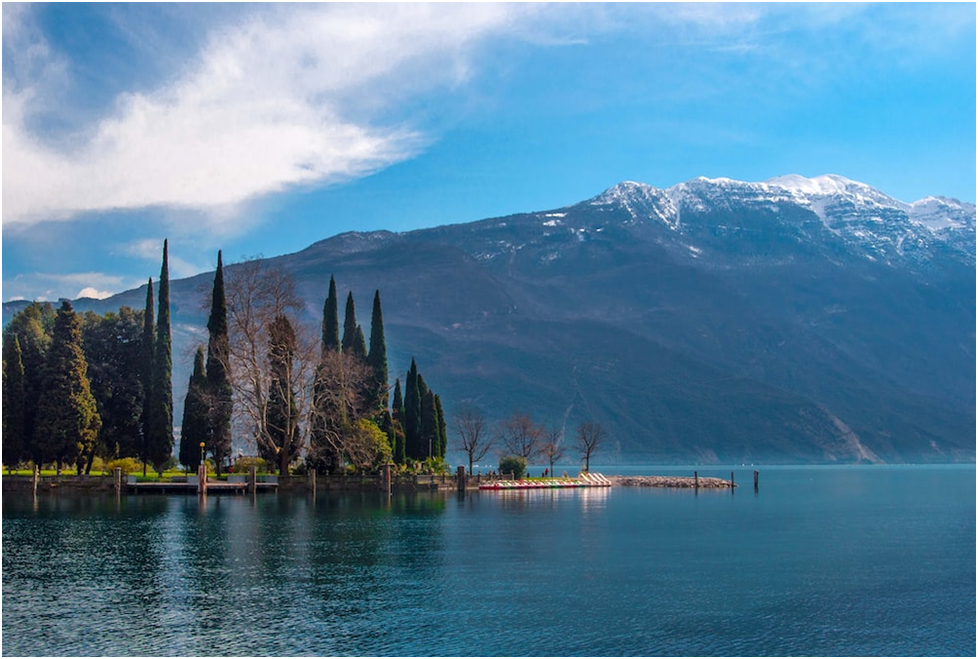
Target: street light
[(202, 453)]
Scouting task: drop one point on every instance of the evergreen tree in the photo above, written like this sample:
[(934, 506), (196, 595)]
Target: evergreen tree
[(160, 440), (146, 373), (32, 328), (412, 415), (194, 428), (397, 414), (359, 347), (68, 421), (113, 346), (218, 378), (14, 402), (326, 419), (331, 320), (442, 428), (430, 426), (352, 342), (282, 418), (377, 357)]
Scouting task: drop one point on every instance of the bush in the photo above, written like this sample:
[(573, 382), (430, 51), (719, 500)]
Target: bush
[(128, 465), (513, 464)]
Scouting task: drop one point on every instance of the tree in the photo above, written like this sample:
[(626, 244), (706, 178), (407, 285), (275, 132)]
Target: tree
[(442, 428), (113, 346), (553, 446), (14, 402), (196, 415), (323, 456), (32, 328), (471, 431), (331, 320), (513, 464), (218, 390), (146, 373), (338, 406), (590, 435), (353, 342), (430, 426), (281, 437), (160, 439), (68, 421), (261, 301), (412, 415), (397, 415), (520, 436), (377, 357), (367, 447)]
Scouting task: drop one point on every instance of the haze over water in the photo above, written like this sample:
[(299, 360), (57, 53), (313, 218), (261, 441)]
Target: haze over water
[(820, 561)]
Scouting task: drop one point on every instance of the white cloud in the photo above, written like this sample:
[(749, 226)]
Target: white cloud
[(290, 97), (302, 95)]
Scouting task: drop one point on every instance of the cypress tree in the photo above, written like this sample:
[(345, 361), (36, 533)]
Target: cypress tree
[(430, 424), (194, 428), (113, 347), (160, 446), (68, 421), (14, 402), (282, 419), (442, 428), (148, 355), (324, 419), (352, 342), (397, 414), (377, 357), (218, 378), (32, 328), (412, 415), (331, 320)]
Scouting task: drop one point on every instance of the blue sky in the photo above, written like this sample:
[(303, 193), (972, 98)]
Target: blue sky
[(260, 129)]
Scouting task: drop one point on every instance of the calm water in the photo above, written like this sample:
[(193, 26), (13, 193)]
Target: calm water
[(822, 561)]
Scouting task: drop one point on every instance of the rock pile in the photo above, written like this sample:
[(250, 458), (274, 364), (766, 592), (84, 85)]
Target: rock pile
[(670, 481)]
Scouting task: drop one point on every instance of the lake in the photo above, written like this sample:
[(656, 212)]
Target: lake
[(820, 561)]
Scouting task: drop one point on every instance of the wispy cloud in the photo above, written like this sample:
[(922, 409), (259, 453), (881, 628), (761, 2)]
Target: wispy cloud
[(291, 96), (275, 97)]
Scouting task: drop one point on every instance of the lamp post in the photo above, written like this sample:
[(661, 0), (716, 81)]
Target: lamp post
[(202, 453)]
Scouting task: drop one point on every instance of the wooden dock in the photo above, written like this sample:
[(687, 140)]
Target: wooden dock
[(212, 487)]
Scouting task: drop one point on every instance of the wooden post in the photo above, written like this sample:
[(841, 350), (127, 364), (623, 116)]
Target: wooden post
[(253, 479), (202, 479), (755, 480), (696, 480), (460, 477), (731, 480), (311, 480), (118, 480), (387, 479), (36, 478)]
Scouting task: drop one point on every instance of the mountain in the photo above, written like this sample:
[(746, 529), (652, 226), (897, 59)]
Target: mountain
[(798, 319)]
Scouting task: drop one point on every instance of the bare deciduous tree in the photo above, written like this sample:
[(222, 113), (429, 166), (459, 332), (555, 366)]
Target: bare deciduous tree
[(473, 438), (590, 435), (520, 436), (553, 446), (338, 404), (261, 296)]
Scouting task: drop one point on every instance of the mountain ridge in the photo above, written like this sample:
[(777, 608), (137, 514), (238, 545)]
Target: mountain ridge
[(720, 322)]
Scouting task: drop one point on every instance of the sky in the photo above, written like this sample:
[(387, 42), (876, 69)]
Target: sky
[(259, 129)]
